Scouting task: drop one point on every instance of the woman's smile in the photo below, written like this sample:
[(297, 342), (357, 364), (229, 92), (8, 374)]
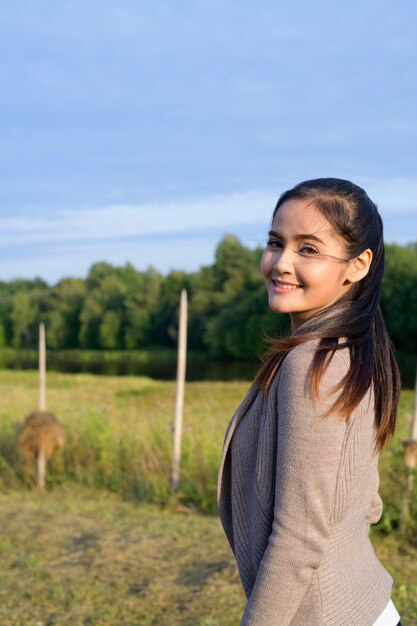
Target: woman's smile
[(283, 286)]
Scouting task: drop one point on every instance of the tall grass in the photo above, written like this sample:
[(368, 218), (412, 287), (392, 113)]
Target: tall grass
[(119, 433), (119, 437)]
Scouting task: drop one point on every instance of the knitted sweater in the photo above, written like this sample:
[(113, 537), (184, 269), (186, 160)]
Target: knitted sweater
[(297, 493)]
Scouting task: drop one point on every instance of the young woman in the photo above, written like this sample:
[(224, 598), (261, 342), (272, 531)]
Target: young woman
[(298, 482)]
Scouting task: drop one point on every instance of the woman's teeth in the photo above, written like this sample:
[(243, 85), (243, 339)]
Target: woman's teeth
[(284, 286)]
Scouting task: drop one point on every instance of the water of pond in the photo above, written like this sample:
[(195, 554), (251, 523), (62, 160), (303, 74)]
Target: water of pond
[(156, 364), (159, 366)]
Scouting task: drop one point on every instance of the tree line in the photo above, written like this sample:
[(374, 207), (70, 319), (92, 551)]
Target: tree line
[(121, 308)]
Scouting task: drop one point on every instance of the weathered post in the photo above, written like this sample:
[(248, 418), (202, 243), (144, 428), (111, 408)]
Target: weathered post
[(42, 402), (41, 432), (410, 457), (179, 403), (42, 368)]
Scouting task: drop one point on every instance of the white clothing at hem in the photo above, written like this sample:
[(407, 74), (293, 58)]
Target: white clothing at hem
[(389, 616)]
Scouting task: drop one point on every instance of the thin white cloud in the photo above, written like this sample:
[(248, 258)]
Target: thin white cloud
[(181, 235), (118, 221), (181, 254), (85, 226)]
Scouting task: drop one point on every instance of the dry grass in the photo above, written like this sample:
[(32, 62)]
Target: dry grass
[(81, 555), (119, 433)]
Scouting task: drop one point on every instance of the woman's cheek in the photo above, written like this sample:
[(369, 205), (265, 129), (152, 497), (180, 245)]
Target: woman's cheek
[(265, 263)]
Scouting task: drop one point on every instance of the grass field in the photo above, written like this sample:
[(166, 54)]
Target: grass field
[(119, 433), (79, 557), (85, 557), (82, 555)]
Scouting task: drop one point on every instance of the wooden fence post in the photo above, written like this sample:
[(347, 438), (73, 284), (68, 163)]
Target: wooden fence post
[(179, 403), (42, 368)]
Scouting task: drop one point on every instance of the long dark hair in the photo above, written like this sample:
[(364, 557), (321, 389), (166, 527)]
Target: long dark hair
[(356, 317)]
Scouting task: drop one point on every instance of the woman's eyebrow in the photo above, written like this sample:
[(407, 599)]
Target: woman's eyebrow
[(299, 236)]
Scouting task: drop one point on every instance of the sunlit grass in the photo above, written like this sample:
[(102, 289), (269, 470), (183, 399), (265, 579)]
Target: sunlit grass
[(119, 433), (92, 558), (119, 436), (77, 556)]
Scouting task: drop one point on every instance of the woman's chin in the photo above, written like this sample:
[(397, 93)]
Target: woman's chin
[(278, 306)]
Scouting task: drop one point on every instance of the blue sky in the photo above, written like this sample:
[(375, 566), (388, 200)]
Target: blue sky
[(144, 131)]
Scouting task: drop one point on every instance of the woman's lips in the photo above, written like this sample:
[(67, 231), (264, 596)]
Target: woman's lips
[(283, 287)]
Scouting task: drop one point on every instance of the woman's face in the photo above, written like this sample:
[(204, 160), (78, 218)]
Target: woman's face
[(304, 262)]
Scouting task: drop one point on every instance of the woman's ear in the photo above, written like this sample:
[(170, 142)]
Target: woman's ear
[(359, 266)]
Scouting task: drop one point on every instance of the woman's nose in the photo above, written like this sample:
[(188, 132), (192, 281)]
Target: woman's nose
[(283, 260)]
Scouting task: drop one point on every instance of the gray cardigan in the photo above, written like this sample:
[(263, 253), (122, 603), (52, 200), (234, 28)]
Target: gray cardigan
[(296, 495)]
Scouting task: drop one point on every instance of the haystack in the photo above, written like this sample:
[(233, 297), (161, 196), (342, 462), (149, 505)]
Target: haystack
[(42, 434)]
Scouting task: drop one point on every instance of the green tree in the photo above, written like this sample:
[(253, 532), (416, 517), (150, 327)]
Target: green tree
[(91, 315), (164, 327), (399, 306), (5, 312), (234, 265), (141, 305), (399, 296), (63, 317), (28, 308), (103, 310), (205, 302), (110, 330)]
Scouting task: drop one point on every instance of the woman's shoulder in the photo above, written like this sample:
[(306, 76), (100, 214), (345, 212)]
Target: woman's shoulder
[(297, 364), (306, 350)]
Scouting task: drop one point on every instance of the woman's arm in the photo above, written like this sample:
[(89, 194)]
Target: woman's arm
[(308, 455)]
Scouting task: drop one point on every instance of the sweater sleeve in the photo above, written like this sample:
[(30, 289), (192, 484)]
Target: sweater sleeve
[(309, 450)]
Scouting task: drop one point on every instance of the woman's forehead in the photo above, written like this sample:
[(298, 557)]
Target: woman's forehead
[(295, 217)]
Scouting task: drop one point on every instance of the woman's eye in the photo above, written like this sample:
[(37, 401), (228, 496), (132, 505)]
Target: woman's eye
[(273, 243), (306, 249)]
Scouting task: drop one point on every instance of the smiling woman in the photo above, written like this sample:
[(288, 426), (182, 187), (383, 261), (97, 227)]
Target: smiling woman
[(298, 482), (306, 272)]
